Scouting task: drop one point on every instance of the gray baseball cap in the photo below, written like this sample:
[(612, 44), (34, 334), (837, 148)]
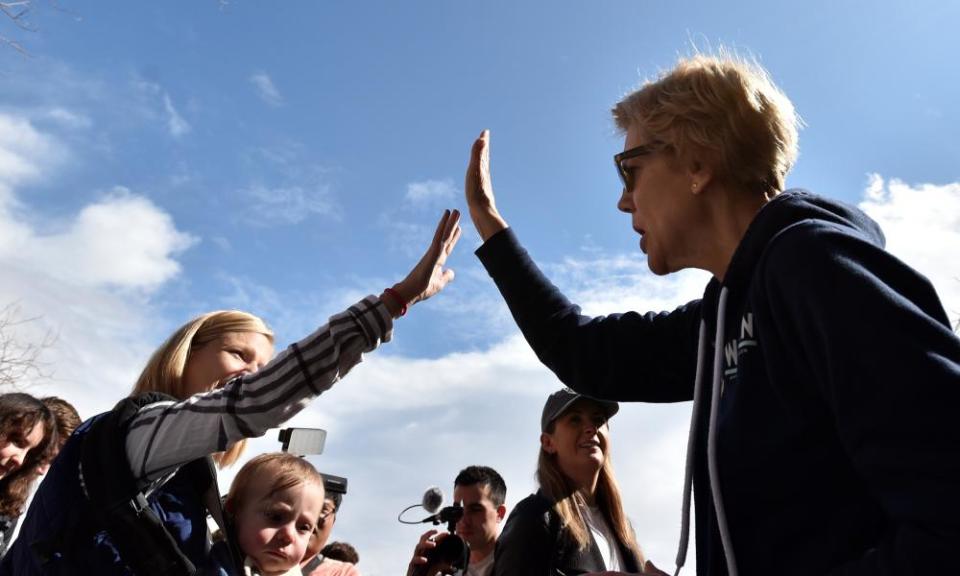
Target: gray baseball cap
[(561, 400)]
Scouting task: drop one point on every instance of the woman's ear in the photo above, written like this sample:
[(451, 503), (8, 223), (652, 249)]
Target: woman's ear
[(701, 174), (546, 443)]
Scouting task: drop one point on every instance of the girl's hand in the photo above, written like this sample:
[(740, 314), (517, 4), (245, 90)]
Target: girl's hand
[(429, 276)]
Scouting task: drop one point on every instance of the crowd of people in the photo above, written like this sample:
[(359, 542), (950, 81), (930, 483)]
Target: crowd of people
[(822, 371)]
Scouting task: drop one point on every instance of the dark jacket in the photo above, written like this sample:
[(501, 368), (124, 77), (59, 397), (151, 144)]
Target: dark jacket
[(532, 543), (64, 531), (7, 526), (837, 448)]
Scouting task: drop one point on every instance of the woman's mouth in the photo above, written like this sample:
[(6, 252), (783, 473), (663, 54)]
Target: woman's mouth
[(643, 236)]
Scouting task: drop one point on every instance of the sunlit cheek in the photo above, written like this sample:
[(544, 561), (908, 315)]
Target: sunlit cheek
[(266, 535)]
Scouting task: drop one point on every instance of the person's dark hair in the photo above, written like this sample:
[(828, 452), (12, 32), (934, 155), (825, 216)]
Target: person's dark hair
[(336, 498), (341, 551), (19, 413), (485, 476), (15, 489), (67, 418)]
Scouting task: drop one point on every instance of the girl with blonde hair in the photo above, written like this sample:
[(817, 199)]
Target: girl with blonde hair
[(211, 385)]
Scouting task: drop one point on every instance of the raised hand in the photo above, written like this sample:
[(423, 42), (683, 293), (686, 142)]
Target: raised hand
[(429, 275), (479, 190)]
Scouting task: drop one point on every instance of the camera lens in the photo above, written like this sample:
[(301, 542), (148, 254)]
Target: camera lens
[(451, 554)]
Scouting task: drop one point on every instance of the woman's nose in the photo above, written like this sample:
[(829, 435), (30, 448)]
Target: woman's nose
[(18, 457), (625, 204)]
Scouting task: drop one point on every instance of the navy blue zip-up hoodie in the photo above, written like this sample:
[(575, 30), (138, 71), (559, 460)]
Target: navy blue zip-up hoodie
[(838, 377)]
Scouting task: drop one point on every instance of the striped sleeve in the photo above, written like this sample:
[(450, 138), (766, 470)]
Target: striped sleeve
[(165, 435)]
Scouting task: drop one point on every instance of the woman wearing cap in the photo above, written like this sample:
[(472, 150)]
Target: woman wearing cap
[(575, 523)]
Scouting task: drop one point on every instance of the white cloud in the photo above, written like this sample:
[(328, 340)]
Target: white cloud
[(176, 124), (922, 226), (266, 89), (430, 192), (102, 338), (69, 118), (407, 233), (284, 205), (86, 279), (409, 239), (123, 240), (285, 187), (616, 283), (23, 152)]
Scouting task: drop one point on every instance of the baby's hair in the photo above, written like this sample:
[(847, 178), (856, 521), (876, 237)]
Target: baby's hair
[(285, 470)]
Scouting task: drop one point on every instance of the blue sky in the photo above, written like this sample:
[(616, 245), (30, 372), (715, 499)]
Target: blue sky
[(162, 159)]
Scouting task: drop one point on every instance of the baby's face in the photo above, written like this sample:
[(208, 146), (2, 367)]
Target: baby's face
[(274, 529)]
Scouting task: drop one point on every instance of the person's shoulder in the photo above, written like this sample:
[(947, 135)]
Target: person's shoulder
[(800, 251), (530, 515), (344, 568), (527, 541), (533, 504), (331, 567)]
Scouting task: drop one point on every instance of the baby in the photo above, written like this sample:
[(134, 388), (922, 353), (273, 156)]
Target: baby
[(275, 503)]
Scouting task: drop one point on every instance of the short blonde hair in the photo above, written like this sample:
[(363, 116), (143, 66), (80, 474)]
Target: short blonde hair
[(164, 370), (725, 109), (282, 468)]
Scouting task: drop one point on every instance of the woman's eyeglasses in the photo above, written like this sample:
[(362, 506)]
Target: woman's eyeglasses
[(328, 509), (626, 174)]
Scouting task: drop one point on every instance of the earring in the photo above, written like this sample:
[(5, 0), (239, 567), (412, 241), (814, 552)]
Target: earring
[(694, 188)]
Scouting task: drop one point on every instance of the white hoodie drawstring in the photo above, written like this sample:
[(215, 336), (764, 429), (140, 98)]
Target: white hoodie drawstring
[(712, 430), (691, 440), (712, 438)]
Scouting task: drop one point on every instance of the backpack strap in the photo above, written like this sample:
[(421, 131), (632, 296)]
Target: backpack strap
[(203, 475), (312, 565), (118, 505)]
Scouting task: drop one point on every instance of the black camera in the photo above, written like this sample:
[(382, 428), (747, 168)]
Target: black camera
[(452, 553)]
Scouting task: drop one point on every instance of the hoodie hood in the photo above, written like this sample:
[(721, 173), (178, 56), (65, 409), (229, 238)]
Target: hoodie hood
[(787, 209)]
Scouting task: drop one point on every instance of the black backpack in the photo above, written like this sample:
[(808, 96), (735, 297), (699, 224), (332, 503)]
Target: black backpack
[(89, 514)]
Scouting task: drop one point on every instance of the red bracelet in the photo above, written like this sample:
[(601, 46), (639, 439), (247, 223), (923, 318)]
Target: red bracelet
[(396, 298)]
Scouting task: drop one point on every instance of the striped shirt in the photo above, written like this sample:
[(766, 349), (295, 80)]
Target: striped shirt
[(165, 435)]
